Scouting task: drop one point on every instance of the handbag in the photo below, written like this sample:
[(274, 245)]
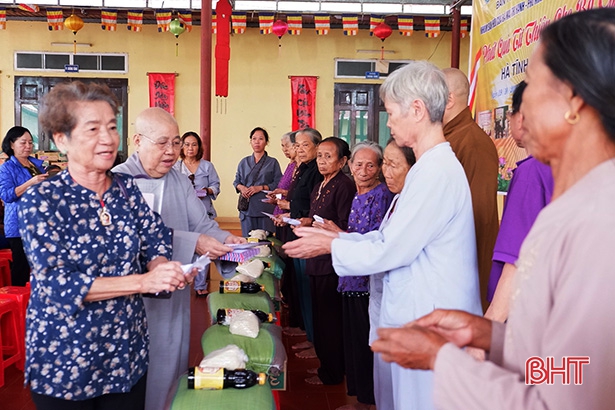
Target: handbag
[(243, 203)]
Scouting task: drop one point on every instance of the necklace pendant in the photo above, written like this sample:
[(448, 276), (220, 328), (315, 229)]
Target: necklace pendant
[(105, 216)]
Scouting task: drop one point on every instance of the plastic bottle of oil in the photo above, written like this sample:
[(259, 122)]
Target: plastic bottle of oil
[(216, 378)]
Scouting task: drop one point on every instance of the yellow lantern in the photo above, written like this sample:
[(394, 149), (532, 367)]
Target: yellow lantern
[(74, 24)]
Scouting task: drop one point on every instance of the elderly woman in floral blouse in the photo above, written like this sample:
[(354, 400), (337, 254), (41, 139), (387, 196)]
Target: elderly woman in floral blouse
[(94, 246), (367, 211)]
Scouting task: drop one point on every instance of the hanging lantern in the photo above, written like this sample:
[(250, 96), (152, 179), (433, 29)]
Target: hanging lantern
[(74, 23), (279, 29), (176, 27), (382, 31)]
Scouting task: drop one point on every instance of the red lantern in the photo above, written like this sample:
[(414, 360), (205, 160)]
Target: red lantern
[(382, 31), (279, 28)]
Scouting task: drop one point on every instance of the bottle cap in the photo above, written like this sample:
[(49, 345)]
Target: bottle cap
[(262, 378)]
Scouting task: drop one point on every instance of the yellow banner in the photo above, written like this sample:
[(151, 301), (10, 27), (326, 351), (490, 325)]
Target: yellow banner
[(503, 35)]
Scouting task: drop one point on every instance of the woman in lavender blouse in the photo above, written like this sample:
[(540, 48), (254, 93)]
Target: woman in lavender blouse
[(368, 209)]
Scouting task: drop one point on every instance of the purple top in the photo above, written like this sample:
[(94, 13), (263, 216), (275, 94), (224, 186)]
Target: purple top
[(285, 182), (530, 190), (366, 214)]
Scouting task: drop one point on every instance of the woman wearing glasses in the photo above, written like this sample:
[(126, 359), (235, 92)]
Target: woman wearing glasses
[(201, 173)]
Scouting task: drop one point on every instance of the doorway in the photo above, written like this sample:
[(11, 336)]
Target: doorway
[(360, 114)]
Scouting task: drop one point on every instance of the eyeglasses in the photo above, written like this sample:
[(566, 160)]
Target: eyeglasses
[(162, 145), (191, 178)]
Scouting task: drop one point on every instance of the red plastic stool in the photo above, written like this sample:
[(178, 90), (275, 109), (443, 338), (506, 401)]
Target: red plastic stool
[(21, 295), (10, 340), (6, 253), (5, 272)]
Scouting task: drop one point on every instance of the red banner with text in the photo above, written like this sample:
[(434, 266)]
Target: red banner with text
[(303, 100), (162, 91)]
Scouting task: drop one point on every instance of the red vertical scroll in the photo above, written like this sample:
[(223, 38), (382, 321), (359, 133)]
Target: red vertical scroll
[(162, 91), (303, 100)]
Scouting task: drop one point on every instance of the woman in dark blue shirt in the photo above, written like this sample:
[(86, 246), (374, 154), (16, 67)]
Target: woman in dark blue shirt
[(94, 246)]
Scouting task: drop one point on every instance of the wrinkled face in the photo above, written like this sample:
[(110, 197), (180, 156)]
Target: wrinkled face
[(365, 168), (94, 141), (190, 147), (306, 150), (545, 102), (258, 142), (159, 150), (286, 146), (400, 124), (22, 147), (394, 168), (327, 159)]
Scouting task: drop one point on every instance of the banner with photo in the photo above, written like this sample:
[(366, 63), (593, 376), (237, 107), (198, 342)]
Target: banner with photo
[(503, 35), (303, 101)]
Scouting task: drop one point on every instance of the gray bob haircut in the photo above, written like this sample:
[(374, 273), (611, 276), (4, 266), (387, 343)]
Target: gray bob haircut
[(417, 80), (371, 145), (315, 135)]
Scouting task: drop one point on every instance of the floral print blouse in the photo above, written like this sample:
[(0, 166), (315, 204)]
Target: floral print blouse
[(76, 350), (366, 214)]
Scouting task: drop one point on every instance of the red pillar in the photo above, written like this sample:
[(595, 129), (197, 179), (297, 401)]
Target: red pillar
[(205, 113), (456, 33)]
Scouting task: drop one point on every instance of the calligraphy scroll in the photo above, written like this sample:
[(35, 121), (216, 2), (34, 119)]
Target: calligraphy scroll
[(303, 101), (162, 91)]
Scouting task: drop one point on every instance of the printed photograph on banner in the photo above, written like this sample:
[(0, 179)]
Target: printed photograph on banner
[(503, 36)]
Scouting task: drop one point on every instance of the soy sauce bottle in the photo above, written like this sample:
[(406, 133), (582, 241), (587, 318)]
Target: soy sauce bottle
[(223, 317), (235, 286), (216, 378)]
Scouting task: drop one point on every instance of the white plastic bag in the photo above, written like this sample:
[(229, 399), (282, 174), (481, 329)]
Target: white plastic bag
[(264, 251), (254, 268), (245, 324), (230, 357), (259, 234), (243, 278)]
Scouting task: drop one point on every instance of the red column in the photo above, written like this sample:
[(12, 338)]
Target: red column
[(456, 33), (206, 77)]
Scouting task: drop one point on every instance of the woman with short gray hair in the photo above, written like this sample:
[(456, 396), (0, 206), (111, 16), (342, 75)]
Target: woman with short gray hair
[(425, 245)]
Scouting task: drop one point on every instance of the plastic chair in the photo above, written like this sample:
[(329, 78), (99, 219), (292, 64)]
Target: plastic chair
[(10, 340), (5, 272), (6, 253), (20, 295)]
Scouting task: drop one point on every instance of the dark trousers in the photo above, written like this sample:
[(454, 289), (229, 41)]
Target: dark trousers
[(20, 269), (305, 298), (133, 400), (290, 291), (327, 320), (357, 353)]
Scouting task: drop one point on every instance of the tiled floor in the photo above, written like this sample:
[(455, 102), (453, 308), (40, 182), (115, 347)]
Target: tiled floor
[(298, 396)]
